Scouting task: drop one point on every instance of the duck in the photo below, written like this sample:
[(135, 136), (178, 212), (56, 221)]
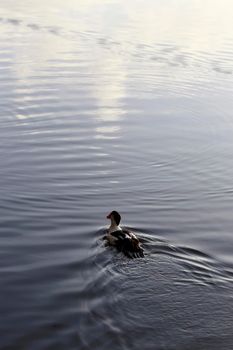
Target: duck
[(123, 239)]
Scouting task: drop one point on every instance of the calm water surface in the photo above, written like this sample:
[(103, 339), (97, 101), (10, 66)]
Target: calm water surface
[(116, 105)]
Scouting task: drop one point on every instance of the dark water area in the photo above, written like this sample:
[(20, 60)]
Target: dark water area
[(116, 105)]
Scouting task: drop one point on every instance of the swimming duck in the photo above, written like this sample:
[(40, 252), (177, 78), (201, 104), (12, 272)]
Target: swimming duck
[(124, 240)]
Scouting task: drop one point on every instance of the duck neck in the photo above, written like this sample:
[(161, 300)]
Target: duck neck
[(113, 226)]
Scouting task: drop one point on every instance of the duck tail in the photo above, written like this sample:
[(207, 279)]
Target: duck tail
[(131, 248)]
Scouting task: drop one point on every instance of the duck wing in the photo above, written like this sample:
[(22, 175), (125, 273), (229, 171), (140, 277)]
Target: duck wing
[(128, 243), (119, 234), (129, 247)]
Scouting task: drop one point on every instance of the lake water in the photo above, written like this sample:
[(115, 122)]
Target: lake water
[(121, 105)]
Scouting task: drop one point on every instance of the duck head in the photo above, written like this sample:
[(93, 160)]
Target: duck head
[(115, 217)]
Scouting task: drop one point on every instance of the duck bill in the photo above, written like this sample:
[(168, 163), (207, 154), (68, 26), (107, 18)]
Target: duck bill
[(108, 216)]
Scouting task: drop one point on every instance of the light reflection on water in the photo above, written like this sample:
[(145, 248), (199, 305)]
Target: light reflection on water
[(110, 105)]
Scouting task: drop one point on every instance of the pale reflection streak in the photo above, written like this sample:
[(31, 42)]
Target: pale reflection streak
[(107, 132), (108, 92), (110, 88)]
